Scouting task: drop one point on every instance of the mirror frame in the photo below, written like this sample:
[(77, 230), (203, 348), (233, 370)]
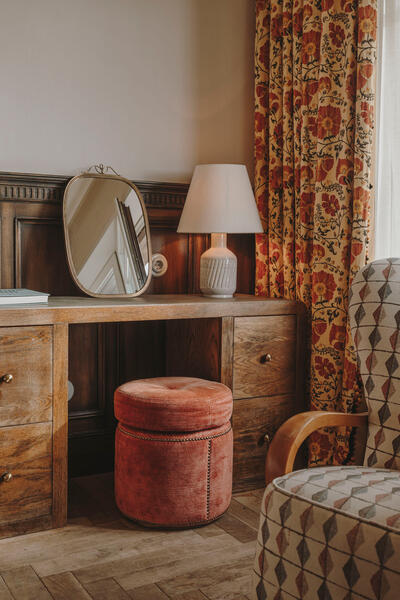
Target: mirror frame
[(87, 175)]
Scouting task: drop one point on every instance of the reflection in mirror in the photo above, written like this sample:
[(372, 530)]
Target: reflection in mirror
[(107, 237)]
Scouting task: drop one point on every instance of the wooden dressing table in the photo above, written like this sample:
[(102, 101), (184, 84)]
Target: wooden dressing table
[(252, 344)]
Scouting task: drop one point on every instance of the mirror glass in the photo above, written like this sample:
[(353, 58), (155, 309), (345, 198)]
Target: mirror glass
[(107, 236)]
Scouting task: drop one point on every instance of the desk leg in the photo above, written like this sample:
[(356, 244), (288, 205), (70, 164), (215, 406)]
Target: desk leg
[(60, 424)]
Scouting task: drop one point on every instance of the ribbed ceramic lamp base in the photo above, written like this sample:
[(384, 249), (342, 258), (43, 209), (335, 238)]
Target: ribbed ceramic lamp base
[(218, 267)]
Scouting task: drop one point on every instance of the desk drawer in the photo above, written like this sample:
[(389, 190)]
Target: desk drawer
[(26, 354), (264, 356), (253, 418), (26, 454)]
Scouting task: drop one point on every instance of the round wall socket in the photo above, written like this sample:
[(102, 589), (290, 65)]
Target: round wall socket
[(159, 265)]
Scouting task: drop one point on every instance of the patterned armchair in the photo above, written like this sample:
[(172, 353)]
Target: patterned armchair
[(333, 533)]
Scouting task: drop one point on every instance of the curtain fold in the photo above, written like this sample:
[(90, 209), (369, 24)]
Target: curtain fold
[(314, 87)]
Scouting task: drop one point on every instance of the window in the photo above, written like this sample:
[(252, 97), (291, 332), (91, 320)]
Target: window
[(387, 203)]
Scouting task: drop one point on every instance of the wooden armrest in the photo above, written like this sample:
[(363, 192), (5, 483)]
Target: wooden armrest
[(289, 437)]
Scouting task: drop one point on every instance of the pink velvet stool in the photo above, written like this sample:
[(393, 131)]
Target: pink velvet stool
[(173, 450)]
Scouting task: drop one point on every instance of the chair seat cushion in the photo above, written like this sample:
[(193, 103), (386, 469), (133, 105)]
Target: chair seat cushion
[(327, 531), (363, 492), (173, 404)]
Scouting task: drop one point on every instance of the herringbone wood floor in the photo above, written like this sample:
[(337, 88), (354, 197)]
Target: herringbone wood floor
[(103, 556)]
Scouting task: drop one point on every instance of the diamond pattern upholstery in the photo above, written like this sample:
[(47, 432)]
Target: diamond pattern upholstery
[(374, 310), (333, 533), (328, 531)]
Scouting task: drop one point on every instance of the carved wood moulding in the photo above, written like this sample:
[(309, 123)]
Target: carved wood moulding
[(28, 187)]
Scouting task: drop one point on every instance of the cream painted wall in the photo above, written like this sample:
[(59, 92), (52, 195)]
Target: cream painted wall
[(152, 87)]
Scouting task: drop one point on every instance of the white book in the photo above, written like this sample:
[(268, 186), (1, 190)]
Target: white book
[(22, 296)]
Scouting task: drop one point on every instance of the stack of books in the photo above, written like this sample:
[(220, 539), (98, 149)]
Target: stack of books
[(22, 296)]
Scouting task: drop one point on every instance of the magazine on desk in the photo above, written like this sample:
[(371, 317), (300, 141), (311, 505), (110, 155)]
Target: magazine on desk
[(22, 296)]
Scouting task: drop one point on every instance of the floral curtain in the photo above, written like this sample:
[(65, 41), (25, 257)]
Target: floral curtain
[(314, 136)]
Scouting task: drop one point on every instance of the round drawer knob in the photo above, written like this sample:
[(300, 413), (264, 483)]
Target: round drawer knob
[(7, 378), (6, 477), (267, 438), (266, 358)]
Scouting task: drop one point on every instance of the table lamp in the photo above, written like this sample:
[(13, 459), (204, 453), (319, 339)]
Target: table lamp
[(220, 200)]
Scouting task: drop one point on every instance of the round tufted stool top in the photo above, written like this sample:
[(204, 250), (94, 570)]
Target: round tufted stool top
[(173, 404)]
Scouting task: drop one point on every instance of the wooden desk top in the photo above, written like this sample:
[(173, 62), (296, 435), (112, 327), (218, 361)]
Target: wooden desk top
[(63, 309)]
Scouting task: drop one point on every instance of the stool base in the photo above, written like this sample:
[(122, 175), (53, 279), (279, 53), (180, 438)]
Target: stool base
[(173, 525)]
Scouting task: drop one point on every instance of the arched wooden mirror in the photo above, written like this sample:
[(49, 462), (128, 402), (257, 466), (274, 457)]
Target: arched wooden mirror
[(107, 236)]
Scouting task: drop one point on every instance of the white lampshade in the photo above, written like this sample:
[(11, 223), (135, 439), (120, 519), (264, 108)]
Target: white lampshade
[(220, 200)]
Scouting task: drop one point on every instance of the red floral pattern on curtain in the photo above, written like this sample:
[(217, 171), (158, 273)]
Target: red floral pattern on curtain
[(313, 145)]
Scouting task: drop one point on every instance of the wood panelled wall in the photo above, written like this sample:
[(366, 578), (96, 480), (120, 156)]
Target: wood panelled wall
[(101, 356)]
